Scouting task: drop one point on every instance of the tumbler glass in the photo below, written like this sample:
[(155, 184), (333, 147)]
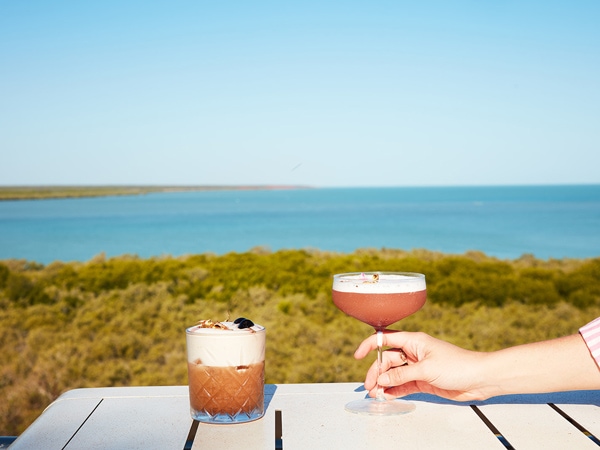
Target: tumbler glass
[(226, 373)]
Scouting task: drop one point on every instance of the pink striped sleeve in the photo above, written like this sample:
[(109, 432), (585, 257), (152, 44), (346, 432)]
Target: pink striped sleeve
[(591, 336)]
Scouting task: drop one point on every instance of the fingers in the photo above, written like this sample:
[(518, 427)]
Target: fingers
[(366, 347), (434, 366), (397, 381), (404, 390), (400, 368), (390, 339), (391, 358), (398, 376), (407, 341)]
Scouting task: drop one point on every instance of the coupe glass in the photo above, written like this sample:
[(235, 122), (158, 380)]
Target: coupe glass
[(379, 299)]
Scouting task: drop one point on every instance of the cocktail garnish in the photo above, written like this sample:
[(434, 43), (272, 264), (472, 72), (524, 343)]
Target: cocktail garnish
[(374, 278), (241, 322), (245, 323), (210, 324)]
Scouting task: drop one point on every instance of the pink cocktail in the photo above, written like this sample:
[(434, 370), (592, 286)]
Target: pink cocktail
[(379, 299)]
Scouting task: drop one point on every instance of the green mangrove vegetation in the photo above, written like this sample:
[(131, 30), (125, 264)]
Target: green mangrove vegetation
[(120, 321)]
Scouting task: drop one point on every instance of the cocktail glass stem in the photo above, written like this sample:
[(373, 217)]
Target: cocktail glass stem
[(379, 395)]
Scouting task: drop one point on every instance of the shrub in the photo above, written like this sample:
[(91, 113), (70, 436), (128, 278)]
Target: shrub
[(121, 321)]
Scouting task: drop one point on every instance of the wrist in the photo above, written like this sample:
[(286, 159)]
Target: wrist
[(488, 376)]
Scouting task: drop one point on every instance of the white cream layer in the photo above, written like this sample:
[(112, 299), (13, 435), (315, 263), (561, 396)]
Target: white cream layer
[(386, 284), (224, 348)]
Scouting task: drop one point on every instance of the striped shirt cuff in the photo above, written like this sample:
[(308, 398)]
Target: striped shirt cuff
[(591, 336)]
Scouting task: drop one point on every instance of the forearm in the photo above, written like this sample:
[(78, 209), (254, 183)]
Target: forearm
[(557, 365)]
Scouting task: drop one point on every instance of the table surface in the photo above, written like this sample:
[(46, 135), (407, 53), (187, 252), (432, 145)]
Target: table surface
[(312, 416)]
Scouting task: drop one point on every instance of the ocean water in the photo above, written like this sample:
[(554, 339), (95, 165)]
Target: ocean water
[(506, 222)]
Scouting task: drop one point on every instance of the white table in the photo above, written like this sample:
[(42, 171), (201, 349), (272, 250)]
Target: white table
[(312, 416)]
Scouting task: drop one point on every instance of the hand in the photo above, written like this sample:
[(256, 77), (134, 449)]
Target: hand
[(434, 367)]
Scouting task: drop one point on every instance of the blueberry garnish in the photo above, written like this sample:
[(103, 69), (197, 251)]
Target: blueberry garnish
[(245, 323), (239, 320)]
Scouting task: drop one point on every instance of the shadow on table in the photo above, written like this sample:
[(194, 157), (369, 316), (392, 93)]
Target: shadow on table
[(564, 398), (561, 398), (270, 390)]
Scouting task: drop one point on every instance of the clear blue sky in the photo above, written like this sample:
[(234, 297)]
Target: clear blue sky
[(312, 92)]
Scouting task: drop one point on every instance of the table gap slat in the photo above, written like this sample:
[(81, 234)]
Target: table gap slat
[(189, 442), (82, 424), (492, 428), (576, 424), (278, 430)]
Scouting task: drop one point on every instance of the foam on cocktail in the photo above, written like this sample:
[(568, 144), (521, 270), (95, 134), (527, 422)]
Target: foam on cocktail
[(226, 347), (381, 284)]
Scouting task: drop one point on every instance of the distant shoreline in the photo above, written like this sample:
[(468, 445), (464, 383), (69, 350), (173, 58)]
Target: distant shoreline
[(55, 192), (43, 192)]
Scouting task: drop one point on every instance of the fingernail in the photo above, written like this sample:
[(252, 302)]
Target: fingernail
[(384, 379)]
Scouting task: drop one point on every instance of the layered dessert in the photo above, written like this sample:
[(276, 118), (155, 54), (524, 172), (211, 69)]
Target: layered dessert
[(226, 371)]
